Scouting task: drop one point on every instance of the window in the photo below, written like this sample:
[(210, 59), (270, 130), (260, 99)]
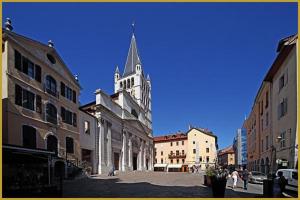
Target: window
[(267, 142), (182, 152), (262, 145), (281, 82), (74, 119), (207, 150), (171, 143), (155, 160), (182, 160), (267, 119), (87, 128), (52, 143), (134, 113), (67, 92), (69, 145), (62, 89), (193, 142), (27, 67), (177, 161), (171, 161), (282, 141), (132, 82), (128, 83), (161, 161), (177, 153), (261, 107), (262, 124), (51, 85), (267, 100), (182, 142), (177, 143), (171, 152), (200, 158), (29, 137), (282, 108), (207, 159), (194, 151), (27, 99), (51, 58), (161, 153), (121, 84), (51, 113)]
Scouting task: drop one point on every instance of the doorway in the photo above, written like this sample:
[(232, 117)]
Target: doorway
[(116, 160), (134, 161), (147, 164)]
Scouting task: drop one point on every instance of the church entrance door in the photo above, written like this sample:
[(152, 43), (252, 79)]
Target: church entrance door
[(134, 161), (116, 160), (146, 164)]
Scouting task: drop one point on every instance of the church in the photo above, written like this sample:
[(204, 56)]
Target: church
[(124, 139)]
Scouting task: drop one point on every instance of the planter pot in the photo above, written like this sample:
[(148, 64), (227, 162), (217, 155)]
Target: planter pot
[(218, 186)]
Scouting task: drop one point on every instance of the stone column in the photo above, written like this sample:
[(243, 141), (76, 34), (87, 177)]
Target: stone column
[(151, 158), (130, 161), (124, 152), (144, 156), (109, 147), (101, 161), (141, 156)]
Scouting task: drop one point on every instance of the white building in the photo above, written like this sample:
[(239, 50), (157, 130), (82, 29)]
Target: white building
[(124, 138)]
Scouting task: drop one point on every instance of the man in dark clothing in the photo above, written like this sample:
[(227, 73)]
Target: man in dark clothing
[(281, 181), (245, 177)]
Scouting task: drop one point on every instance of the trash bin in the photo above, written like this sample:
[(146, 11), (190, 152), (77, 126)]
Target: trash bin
[(268, 187)]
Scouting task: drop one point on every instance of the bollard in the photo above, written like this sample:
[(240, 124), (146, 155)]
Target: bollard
[(268, 187)]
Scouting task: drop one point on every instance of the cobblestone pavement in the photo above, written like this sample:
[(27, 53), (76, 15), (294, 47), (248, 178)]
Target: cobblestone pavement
[(149, 184)]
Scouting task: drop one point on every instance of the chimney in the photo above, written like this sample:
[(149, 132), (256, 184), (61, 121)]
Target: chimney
[(50, 44), (8, 25)]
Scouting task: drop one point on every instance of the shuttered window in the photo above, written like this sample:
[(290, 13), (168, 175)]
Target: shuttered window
[(38, 73), (74, 119), (62, 89)]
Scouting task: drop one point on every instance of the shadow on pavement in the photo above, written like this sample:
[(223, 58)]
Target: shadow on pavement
[(90, 187)]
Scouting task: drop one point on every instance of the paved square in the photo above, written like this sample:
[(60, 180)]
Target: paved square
[(149, 184)]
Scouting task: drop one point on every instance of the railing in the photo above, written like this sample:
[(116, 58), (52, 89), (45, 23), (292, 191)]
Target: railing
[(171, 156)]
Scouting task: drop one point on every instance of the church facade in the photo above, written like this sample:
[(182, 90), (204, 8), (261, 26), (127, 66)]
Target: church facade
[(124, 138)]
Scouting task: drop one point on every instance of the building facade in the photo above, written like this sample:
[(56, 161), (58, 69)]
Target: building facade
[(39, 97), (195, 148), (124, 138), (226, 156), (170, 152), (272, 124)]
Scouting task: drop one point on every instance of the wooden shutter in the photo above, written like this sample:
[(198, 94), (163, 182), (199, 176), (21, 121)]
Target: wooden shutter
[(18, 60), (38, 73), (74, 119), (62, 89), (18, 95), (74, 96), (63, 114), (38, 104)]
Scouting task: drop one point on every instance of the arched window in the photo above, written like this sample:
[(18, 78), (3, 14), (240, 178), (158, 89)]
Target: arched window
[(121, 85), (132, 82), (128, 83), (51, 113), (51, 85), (29, 137), (52, 143), (124, 83), (69, 145), (134, 113)]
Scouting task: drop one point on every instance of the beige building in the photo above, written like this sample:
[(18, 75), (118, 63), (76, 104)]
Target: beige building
[(226, 157), (39, 96), (272, 124), (197, 147)]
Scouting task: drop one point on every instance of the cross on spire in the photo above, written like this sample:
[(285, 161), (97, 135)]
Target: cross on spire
[(133, 28)]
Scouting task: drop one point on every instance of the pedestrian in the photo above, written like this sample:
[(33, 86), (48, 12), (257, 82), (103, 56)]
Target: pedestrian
[(281, 181), (245, 178), (234, 176)]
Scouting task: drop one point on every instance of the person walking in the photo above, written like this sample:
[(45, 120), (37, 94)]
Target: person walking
[(234, 176), (245, 178)]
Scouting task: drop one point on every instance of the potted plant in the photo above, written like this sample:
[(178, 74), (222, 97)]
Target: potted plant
[(209, 173), (218, 182)]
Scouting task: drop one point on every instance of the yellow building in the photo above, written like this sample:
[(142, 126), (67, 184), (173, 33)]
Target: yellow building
[(226, 156), (40, 98), (178, 152)]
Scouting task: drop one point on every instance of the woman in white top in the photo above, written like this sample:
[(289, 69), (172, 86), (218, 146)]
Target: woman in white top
[(234, 175)]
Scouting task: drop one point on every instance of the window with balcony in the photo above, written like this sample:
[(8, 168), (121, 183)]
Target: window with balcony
[(51, 113), (51, 86)]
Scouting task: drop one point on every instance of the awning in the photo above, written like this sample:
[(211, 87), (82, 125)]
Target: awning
[(174, 165), (160, 165)]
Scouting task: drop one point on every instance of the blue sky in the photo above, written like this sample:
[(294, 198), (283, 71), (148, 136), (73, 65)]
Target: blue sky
[(206, 60)]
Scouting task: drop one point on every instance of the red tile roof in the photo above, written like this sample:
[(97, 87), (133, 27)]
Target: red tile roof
[(171, 137)]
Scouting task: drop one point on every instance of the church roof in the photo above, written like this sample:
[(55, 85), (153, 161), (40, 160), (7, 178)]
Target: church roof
[(133, 58)]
